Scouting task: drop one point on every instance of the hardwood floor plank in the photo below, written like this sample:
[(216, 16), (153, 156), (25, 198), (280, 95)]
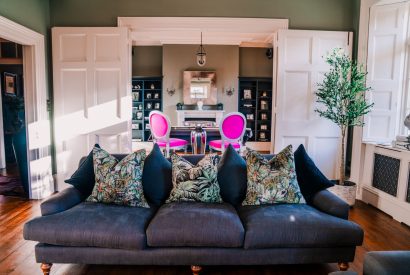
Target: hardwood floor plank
[(17, 255)]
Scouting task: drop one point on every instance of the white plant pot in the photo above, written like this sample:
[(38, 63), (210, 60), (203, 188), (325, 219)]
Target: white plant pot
[(345, 192)]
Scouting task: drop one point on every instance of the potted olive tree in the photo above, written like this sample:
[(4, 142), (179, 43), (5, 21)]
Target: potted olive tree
[(342, 98)]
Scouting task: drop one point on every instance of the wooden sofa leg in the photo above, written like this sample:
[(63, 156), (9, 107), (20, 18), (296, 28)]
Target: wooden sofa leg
[(343, 266), (46, 268), (196, 269)]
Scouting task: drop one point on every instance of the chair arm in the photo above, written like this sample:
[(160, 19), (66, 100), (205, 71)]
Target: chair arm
[(331, 204), (61, 201)]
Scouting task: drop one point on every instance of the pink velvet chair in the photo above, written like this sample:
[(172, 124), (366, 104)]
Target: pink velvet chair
[(160, 127), (232, 129)]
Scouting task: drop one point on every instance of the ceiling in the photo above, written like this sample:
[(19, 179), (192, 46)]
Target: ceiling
[(244, 32)]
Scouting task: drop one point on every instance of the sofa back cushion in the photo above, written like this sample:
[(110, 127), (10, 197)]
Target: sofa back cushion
[(232, 177), (311, 180), (83, 178), (157, 177)]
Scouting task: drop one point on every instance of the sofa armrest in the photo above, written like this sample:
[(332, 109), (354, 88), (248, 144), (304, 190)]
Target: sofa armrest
[(331, 204), (61, 201)]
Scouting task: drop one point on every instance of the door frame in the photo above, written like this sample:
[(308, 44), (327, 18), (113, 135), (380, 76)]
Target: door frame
[(35, 94)]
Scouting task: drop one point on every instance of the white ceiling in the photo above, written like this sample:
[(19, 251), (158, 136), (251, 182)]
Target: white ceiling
[(245, 32)]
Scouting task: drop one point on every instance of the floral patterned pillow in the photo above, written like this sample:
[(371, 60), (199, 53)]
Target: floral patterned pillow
[(118, 182), (195, 182), (272, 181)]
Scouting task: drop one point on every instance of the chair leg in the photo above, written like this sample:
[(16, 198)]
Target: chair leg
[(196, 269), (46, 268), (343, 266)]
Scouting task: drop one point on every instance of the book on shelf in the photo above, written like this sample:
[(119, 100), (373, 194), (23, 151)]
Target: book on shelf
[(401, 145)]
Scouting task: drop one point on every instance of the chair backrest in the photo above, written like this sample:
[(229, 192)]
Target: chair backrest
[(160, 125), (232, 126)]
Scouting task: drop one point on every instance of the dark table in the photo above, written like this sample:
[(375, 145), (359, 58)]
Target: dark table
[(212, 133)]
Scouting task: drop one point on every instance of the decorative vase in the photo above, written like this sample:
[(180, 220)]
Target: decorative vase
[(346, 192), (200, 104)]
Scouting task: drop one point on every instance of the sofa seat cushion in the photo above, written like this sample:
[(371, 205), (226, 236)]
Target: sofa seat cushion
[(296, 225), (195, 224), (92, 225)]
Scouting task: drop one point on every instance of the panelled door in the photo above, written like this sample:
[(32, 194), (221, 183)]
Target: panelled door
[(92, 93), (300, 67), (385, 64)]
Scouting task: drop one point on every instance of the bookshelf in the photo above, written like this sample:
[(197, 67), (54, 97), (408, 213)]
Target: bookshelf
[(146, 97), (255, 103)]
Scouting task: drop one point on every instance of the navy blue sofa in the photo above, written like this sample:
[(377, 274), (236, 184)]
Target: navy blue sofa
[(71, 230)]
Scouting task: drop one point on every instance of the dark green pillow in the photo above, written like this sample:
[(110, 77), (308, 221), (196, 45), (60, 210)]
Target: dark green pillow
[(83, 178), (311, 180), (157, 177), (232, 177)]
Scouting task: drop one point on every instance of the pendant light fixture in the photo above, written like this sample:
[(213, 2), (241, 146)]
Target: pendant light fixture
[(201, 55)]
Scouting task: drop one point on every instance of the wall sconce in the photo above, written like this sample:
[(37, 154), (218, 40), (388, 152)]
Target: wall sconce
[(230, 91), (171, 92)]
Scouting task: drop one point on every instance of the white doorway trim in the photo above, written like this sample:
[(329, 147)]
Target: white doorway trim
[(37, 121)]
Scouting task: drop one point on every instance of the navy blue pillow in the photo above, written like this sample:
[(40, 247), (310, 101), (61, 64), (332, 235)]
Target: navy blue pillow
[(84, 178), (157, 177), (232, 177), (311, 180)]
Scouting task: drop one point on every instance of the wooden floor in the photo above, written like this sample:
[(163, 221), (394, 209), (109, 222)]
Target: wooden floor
[(17, 255)]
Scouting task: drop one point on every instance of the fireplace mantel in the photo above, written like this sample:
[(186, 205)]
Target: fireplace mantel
[(211, 115)]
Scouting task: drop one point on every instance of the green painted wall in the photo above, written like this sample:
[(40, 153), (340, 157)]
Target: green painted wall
[(303, 14), (34, 14)]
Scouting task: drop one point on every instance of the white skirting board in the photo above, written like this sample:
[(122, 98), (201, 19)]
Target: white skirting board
[(398, 210)]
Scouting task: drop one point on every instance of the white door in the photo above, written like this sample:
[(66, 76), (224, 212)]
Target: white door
[(300, 67), (92, 93), (385, 64)]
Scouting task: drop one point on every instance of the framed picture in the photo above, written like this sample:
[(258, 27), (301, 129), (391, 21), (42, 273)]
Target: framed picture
[(262, 135), (156, 95), (10, 83), (247, 94), (136, 96), (264, 105), (156, 106), (149, 106), (264, 116)]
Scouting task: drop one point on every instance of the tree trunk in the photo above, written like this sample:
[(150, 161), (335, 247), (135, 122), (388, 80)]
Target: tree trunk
[(342, 160)]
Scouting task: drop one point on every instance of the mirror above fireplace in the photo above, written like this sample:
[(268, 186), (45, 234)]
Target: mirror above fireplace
[(200, 86)]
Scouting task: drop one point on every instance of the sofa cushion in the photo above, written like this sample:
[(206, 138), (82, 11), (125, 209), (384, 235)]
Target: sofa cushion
[(195, 224), (195, 182), (94, 225), (157, 177), (272, 181), (232, 177), (83, 178), (296, 225), (387, 263), (311, 180), (118, 182)]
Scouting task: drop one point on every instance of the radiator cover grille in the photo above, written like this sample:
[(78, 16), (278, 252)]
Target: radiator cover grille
[(386, 174)]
